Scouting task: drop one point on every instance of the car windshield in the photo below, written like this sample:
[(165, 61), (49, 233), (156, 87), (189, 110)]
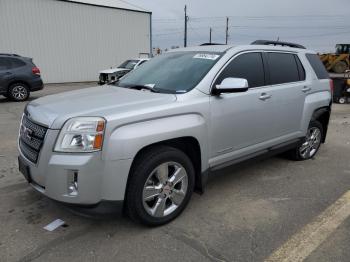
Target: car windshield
[(129, 64), (174, 72)]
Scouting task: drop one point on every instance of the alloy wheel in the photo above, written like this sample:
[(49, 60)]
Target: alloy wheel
[(165, 189), (19, 92), (312, 142)]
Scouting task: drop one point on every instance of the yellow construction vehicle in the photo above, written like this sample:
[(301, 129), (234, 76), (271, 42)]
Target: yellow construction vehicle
[(338, 62)]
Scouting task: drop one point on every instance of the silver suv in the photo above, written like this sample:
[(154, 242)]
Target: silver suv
[(145, 143)]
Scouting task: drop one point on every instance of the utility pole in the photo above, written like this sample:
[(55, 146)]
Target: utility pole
[(210, 35), (186, 19), (226, 30)]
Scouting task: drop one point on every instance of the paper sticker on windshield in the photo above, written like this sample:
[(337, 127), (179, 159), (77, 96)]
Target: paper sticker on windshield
[(206, 56)]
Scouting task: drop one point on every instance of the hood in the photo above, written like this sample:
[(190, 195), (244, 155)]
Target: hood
[(104, 101), (113, 70)]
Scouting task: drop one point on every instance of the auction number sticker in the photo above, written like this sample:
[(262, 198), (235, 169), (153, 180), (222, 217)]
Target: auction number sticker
[(207, 56)]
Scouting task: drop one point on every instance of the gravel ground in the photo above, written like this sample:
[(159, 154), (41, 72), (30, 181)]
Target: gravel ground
[(246, 213)]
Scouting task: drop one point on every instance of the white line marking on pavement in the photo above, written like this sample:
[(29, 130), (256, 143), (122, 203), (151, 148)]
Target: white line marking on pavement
[(303, 243)]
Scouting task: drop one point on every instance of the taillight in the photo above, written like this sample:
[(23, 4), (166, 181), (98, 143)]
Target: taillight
[(36, 71), (331, 85)]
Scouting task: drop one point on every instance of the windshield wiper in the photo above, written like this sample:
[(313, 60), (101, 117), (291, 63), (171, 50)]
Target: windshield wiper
[(140, 87)]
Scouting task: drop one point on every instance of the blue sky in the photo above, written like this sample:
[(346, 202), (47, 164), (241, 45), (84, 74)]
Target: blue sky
[(318, 24)]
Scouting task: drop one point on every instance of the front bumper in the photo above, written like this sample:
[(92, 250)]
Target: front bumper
[(101, 210), (97, 180)]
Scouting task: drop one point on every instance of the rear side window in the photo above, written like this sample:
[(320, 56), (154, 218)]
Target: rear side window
[(283, 68), (15, 63), (248, 66), (4, 63), (317, 65)]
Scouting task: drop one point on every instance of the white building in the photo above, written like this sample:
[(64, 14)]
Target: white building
[(70, 41)]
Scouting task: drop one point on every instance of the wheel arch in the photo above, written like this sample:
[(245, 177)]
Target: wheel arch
[(190, 146), (322, 115), (15, 81)]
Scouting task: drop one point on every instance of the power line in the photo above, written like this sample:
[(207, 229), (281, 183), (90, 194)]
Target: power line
[(259, 36), (193, 19), (193, 30), (200, 25), (296, 36), (167, 34), (267, 27)]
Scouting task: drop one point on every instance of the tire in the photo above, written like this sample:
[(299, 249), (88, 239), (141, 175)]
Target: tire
[(151, 198), (18, 92), (340, 67), (342, 100), (310, 145)]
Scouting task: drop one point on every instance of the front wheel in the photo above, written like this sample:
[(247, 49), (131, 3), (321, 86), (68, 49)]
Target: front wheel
[(310, 145), (160, 186)]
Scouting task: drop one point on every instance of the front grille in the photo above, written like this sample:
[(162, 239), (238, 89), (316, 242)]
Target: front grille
[(31, 139)]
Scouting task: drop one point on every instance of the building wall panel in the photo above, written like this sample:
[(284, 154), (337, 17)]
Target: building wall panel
[(71, 42)]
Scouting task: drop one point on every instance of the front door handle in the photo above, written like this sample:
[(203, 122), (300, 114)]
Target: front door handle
[(264, 96), (306, 89)]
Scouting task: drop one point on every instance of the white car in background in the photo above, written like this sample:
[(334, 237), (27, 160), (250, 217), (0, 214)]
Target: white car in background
[(112, 74)]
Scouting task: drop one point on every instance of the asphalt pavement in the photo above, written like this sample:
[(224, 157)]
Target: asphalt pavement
[(247, 213)]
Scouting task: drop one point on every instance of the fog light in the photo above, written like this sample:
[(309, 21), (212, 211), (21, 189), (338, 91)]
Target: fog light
[(73, 183)]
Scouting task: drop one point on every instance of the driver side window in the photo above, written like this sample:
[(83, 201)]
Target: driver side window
[(249, 66)]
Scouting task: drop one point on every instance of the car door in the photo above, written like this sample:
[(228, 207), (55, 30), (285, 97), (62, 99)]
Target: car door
[(4, 73), (287, 87), (241, 122)]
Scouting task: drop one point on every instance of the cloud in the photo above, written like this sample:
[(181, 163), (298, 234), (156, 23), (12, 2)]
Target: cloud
[(318, 24)]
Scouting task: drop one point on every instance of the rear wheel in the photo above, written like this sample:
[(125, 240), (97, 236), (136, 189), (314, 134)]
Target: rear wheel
[(160, 186), (18, 92), (310, 145)]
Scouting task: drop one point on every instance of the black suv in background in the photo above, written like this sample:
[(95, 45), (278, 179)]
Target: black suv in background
[(18, 77)]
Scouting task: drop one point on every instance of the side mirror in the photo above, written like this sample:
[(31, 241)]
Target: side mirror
[(232, 85)]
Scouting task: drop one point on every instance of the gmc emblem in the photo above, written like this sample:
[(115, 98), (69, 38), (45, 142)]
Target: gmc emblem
[(27, 133)]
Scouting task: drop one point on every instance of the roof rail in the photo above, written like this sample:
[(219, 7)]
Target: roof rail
[(9, 54), (205, 44), (269, 42)]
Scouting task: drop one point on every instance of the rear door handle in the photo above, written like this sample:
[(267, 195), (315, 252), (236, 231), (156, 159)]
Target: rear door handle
[(306, 89), (264, 96)]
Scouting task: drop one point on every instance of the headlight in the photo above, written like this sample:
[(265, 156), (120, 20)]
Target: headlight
[(81, 134)]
